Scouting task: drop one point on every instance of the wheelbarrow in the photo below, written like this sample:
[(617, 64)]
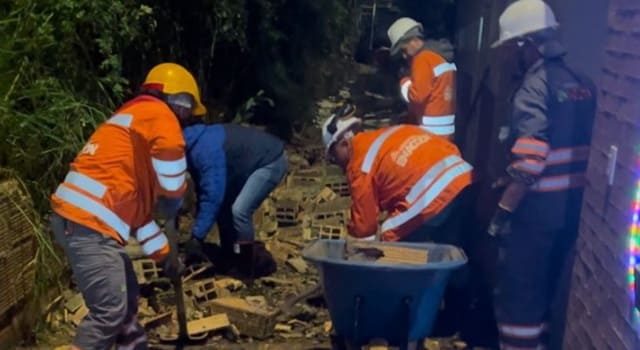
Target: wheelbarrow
[(370, 300)]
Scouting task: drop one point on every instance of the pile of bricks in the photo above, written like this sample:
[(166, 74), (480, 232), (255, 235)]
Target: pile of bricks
[(317, 199)]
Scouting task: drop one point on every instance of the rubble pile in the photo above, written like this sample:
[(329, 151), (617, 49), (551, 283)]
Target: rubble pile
[(312, 203)]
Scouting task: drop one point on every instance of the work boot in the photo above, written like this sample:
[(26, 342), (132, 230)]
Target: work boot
[(254, 260)]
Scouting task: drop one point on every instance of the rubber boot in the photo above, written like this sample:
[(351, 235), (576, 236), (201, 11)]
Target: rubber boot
[(254, 261)]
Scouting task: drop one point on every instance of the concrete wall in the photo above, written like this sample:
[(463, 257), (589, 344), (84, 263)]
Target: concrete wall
[(601, 314)]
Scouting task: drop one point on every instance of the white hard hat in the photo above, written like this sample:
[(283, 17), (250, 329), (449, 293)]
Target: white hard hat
[(335, 126), (525, 17), (398, 31)]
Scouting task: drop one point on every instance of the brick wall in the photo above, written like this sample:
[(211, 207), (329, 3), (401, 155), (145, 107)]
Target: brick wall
[(600, 310)]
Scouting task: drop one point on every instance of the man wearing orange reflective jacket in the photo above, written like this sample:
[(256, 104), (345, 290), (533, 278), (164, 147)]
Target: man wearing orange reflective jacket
[(411, 174), (418, 178), (430, 88), (108, 196)]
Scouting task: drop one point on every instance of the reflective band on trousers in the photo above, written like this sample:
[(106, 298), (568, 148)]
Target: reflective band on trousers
[(171, 174), (520, 331), (443, 68), (89, 205), (151, 238), (372, 153), (439, 125), (427, 198), (559, 183)]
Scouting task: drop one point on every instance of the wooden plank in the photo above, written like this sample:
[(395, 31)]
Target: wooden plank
[(208, 324)]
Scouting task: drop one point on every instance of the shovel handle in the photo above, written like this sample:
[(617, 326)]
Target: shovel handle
[(172, 235)]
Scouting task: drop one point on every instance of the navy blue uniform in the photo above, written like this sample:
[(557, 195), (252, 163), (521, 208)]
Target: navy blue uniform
[(553, 115)]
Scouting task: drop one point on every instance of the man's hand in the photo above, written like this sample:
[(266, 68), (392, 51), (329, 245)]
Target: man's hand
[(194, 251), (173, 268), (500, 223)]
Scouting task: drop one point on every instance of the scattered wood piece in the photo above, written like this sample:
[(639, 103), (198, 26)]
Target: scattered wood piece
[(327, 327), (292, 335), (79, 315), (393, 254), (257, 301), (208, 324), (74, 302), (273, 282), (154, 321), (298, 264), (283, 328), (195, 272), (231, 284), (293, 243)]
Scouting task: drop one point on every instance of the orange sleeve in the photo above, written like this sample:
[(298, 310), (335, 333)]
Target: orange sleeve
[(364, 207), (168, 154), (422, 79)]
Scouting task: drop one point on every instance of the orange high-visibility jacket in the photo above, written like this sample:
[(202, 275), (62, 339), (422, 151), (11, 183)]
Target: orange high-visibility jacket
[(405, 171), (430, 92), (113, 183)]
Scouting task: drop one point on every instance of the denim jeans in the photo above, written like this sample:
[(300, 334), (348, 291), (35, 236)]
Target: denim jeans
[(236, 220)]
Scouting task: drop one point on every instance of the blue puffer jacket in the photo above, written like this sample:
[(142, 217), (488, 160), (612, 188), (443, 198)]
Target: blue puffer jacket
[(220, 158), (208, 168)]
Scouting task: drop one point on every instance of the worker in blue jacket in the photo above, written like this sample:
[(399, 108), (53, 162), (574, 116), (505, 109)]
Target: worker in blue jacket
[(234, 169)]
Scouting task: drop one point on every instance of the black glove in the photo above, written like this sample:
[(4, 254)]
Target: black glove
[(173, 268), (194, 251), (500, 223)]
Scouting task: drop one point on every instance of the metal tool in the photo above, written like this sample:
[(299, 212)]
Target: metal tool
[(171, 231)]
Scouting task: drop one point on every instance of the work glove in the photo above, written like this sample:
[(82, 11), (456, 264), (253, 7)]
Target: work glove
[(193, 249), (500, 225), (173, 268)]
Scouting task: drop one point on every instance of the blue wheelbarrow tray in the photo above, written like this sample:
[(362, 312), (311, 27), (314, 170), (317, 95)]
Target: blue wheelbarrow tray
[(395, 302)]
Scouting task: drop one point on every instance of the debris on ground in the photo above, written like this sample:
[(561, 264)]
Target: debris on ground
[(311, 203)]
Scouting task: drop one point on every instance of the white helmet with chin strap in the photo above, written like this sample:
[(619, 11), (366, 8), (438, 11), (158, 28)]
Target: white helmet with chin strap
[(525, 17), (337, 124)]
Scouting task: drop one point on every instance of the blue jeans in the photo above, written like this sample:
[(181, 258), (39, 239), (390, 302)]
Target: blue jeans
[(236, 220)]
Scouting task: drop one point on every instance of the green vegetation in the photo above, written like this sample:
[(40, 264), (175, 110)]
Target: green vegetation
[(66, 64)]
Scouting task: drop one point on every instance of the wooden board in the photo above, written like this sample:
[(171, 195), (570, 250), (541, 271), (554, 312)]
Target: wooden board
[(208, 324), (395, 254)]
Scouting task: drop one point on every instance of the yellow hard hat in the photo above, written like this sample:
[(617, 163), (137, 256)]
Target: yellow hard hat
[(170, 79)]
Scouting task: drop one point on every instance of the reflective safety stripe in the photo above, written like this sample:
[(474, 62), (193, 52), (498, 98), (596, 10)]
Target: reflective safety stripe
[(530, 166), (520, 331), (154, 244), (123, 120), (443, 68), (404, 90), (430, 176), (568, 155), (172, 183), (169, 167), (559, 183), (438, 120), (95, 208), (440, 130), (147, 231), (151, 238), (86, 183), (509, 347), (372, 153), (432, 193), (531, 146)]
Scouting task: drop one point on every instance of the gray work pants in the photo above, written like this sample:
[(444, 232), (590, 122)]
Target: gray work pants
[(108, 284)]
